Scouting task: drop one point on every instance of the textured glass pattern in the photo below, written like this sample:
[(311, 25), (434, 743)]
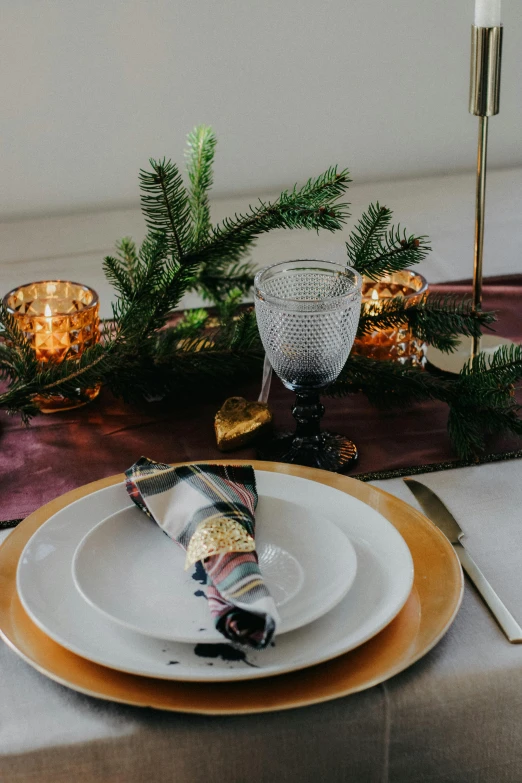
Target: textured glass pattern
[(59, 319), (397, 343), (307, 317)]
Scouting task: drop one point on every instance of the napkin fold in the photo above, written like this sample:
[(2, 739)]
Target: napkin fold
[(209, 511)]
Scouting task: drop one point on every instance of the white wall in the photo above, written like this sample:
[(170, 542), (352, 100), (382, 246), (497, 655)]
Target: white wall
[(90, 89)]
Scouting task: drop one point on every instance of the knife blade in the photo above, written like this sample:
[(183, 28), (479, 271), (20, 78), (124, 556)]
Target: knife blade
[(442, 518)]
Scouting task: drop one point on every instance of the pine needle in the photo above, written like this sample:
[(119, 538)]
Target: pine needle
[(375, 250)]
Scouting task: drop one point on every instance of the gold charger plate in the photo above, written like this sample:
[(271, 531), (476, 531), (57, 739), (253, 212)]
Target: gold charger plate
[(426, 616)]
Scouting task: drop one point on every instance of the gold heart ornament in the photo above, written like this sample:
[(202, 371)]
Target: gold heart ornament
[(238, 422)]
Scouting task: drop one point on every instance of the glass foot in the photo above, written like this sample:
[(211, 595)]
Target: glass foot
[(327, 451)]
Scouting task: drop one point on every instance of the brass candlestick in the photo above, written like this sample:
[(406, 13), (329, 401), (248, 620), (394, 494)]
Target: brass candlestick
[(484, 99)]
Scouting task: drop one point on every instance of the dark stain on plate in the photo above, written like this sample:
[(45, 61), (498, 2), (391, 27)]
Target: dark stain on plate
[(171, 663), (224, 651), (200, 594)]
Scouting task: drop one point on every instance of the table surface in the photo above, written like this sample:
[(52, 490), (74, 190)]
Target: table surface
[(453, 717)]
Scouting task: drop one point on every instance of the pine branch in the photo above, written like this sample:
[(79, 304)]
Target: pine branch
[(65, 377), (215, 281), (218, 358), (29, 377), (387, 384), (441, 320), (128, 255), (124, 352), (165, 205), (375, 250), (438, 319), (134, 313), (118, 276), (481, 399), (19, 399), (227, 309), (17, 357), (490, 380), (245, 335), (203, 364), (192, 323), (467, 428), (505, 362), (367, 235), (160, 284), (201, 145), (311, 207), (139, 357), (70, 378)]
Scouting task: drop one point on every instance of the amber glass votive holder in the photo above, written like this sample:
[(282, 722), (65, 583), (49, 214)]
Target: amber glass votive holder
[(60, 319), (396, 344)]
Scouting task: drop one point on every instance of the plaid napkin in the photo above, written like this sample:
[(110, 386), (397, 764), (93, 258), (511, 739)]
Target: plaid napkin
[(209, 511)]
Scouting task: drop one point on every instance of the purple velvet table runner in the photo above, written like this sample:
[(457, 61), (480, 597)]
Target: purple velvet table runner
[(65, 450)]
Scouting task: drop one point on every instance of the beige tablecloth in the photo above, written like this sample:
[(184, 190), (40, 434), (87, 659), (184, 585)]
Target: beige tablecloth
[(454, 717)]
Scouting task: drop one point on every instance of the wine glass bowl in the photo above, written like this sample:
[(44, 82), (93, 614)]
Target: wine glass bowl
[(307, 313)]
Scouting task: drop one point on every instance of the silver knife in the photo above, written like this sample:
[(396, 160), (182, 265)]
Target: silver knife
[(442, 517)]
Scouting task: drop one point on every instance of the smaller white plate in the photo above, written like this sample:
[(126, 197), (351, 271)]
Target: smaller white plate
[(131, 572)]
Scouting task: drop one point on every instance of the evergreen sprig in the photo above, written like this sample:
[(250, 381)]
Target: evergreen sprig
[(220, 258), (312, 206), (216, 254), (374, 249), (481, 399), (437, 319), (166, 207), (140, 356), (28, 377), (17, 357), (217, 277), (388, 384), (485, 399), (201, 146)]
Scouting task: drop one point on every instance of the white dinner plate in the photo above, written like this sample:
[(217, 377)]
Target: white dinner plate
[(382, 584), (129, 570)]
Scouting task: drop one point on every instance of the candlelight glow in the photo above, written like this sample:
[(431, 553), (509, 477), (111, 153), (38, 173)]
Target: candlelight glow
[(393, 343), (60, 320)]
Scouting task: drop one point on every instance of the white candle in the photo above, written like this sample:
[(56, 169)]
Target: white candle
[(487, 13)]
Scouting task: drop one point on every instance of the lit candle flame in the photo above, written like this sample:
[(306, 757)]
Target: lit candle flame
[(375, 295), (48, 319), (44, 335)]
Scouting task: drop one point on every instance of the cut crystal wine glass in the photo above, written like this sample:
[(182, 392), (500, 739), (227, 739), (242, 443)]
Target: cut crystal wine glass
[(307, 313)]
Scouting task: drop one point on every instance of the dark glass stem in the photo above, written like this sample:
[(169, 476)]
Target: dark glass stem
[(308, 445), (308, 412)]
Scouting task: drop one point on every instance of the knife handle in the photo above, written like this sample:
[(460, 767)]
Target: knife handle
[(499, 611)]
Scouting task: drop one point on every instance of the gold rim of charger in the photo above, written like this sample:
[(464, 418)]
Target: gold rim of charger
[(425, 618)]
